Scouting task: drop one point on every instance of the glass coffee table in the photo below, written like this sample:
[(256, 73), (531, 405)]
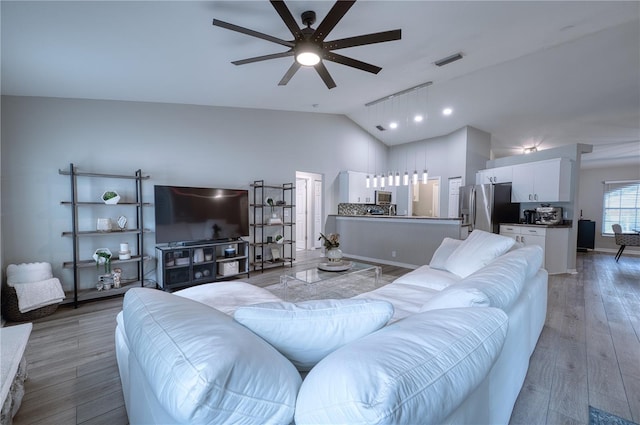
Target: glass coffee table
[(313, 283)]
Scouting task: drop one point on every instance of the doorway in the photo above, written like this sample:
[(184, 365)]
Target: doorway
[(309, 209), (426, 198)]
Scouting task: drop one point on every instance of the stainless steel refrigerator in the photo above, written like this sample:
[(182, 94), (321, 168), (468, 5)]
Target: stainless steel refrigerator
[(486, 206)]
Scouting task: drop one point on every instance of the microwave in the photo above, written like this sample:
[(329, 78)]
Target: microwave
[(383, 197)]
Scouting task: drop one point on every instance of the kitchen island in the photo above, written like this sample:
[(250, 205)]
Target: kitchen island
[(406, 241)]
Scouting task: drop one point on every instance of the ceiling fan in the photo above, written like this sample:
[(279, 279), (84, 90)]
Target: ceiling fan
[(308, 46)]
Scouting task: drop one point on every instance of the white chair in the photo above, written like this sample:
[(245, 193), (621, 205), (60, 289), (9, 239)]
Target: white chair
[(624, 239)]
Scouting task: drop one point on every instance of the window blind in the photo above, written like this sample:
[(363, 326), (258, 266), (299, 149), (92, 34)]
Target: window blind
[(621, 205)]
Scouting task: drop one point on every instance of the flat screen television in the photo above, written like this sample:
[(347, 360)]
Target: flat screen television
[(188, 215)]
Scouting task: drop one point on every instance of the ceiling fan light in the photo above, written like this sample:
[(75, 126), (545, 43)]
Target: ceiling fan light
[(307, 58)]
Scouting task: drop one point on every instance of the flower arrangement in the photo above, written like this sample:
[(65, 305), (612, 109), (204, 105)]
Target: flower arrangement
[(331, 241), (103, 256)]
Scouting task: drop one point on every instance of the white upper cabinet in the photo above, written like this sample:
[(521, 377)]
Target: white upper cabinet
[(542, 181), (495, 175), (353, 188)]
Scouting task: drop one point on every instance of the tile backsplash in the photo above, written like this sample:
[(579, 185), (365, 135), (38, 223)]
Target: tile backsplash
[(360, 209)]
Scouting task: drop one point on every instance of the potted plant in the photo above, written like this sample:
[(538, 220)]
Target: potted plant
[(110, 197), (103, 256), (331, 244)]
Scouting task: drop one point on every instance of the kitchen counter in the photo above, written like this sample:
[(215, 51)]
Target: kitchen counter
[(405, 241), (404, 217), (545, 226)]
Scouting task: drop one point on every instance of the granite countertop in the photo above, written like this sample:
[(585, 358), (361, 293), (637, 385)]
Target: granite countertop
[(546, 226), (406, 217)]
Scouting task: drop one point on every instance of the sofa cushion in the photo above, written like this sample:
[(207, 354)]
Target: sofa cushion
[(415, 371), (202, 366), (428, 277), (532, 254), (227, 296), (475, 252), (502, 280), (443, 252), (456, 297), (306, 332)]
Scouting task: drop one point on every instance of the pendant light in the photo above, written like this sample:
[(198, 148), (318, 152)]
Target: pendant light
[(415, 177), (405, 179), (375, 181), (397, 179), (425, 176)]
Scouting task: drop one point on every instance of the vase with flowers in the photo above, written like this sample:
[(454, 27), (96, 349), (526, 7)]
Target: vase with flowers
[(331, 245)]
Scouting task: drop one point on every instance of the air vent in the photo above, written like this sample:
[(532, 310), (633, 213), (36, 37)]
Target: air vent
[(381, 128), (449, 59)]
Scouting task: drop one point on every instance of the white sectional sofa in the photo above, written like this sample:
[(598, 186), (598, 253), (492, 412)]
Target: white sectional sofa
[(446, 343)]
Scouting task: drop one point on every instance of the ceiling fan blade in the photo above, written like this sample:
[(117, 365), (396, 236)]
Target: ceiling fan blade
[(232, 27), (263, 58), (339, 9), (287, 17), (324, 74), (295, 66), (354, 63), (361, 40)]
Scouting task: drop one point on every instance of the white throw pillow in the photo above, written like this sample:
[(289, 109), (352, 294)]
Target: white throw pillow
[(443, 252), (306, 332), (28, 272), (475, 252), (454, 297)]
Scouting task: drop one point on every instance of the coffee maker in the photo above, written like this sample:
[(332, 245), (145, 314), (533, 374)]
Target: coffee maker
[(529, 216)]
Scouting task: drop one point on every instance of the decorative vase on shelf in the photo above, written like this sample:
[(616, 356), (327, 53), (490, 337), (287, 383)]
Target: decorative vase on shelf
[(334, 255)]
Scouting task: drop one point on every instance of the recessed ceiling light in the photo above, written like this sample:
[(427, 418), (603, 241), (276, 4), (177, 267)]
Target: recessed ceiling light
[(447, 111), (418, 118), (393, 125)]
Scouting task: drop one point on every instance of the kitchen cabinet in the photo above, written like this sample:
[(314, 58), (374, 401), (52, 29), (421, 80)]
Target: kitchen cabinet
[(553, 241), (495, 175), (353, 188), (542, 181)]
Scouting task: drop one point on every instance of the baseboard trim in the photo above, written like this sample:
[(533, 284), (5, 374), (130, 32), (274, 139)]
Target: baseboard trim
[(380, 261), (613, 251)]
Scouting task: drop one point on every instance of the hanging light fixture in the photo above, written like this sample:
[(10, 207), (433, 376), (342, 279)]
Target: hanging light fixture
[(425, 173), (390, 178), (415, 171), (375, 181), (405, 179)]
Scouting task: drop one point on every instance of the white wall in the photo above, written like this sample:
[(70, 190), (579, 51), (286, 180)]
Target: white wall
[(174, 144), (591, 199), (444, 156)]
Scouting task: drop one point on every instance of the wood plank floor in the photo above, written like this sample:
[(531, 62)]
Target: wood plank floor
[(588, 353)]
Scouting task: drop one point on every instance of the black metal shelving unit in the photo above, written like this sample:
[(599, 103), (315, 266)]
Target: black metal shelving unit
[(262, 228), (79, 260)]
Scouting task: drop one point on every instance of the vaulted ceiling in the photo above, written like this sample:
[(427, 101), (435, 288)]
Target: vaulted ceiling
[(543, 73)]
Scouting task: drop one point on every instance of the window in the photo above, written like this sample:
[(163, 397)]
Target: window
[(621, 205)]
